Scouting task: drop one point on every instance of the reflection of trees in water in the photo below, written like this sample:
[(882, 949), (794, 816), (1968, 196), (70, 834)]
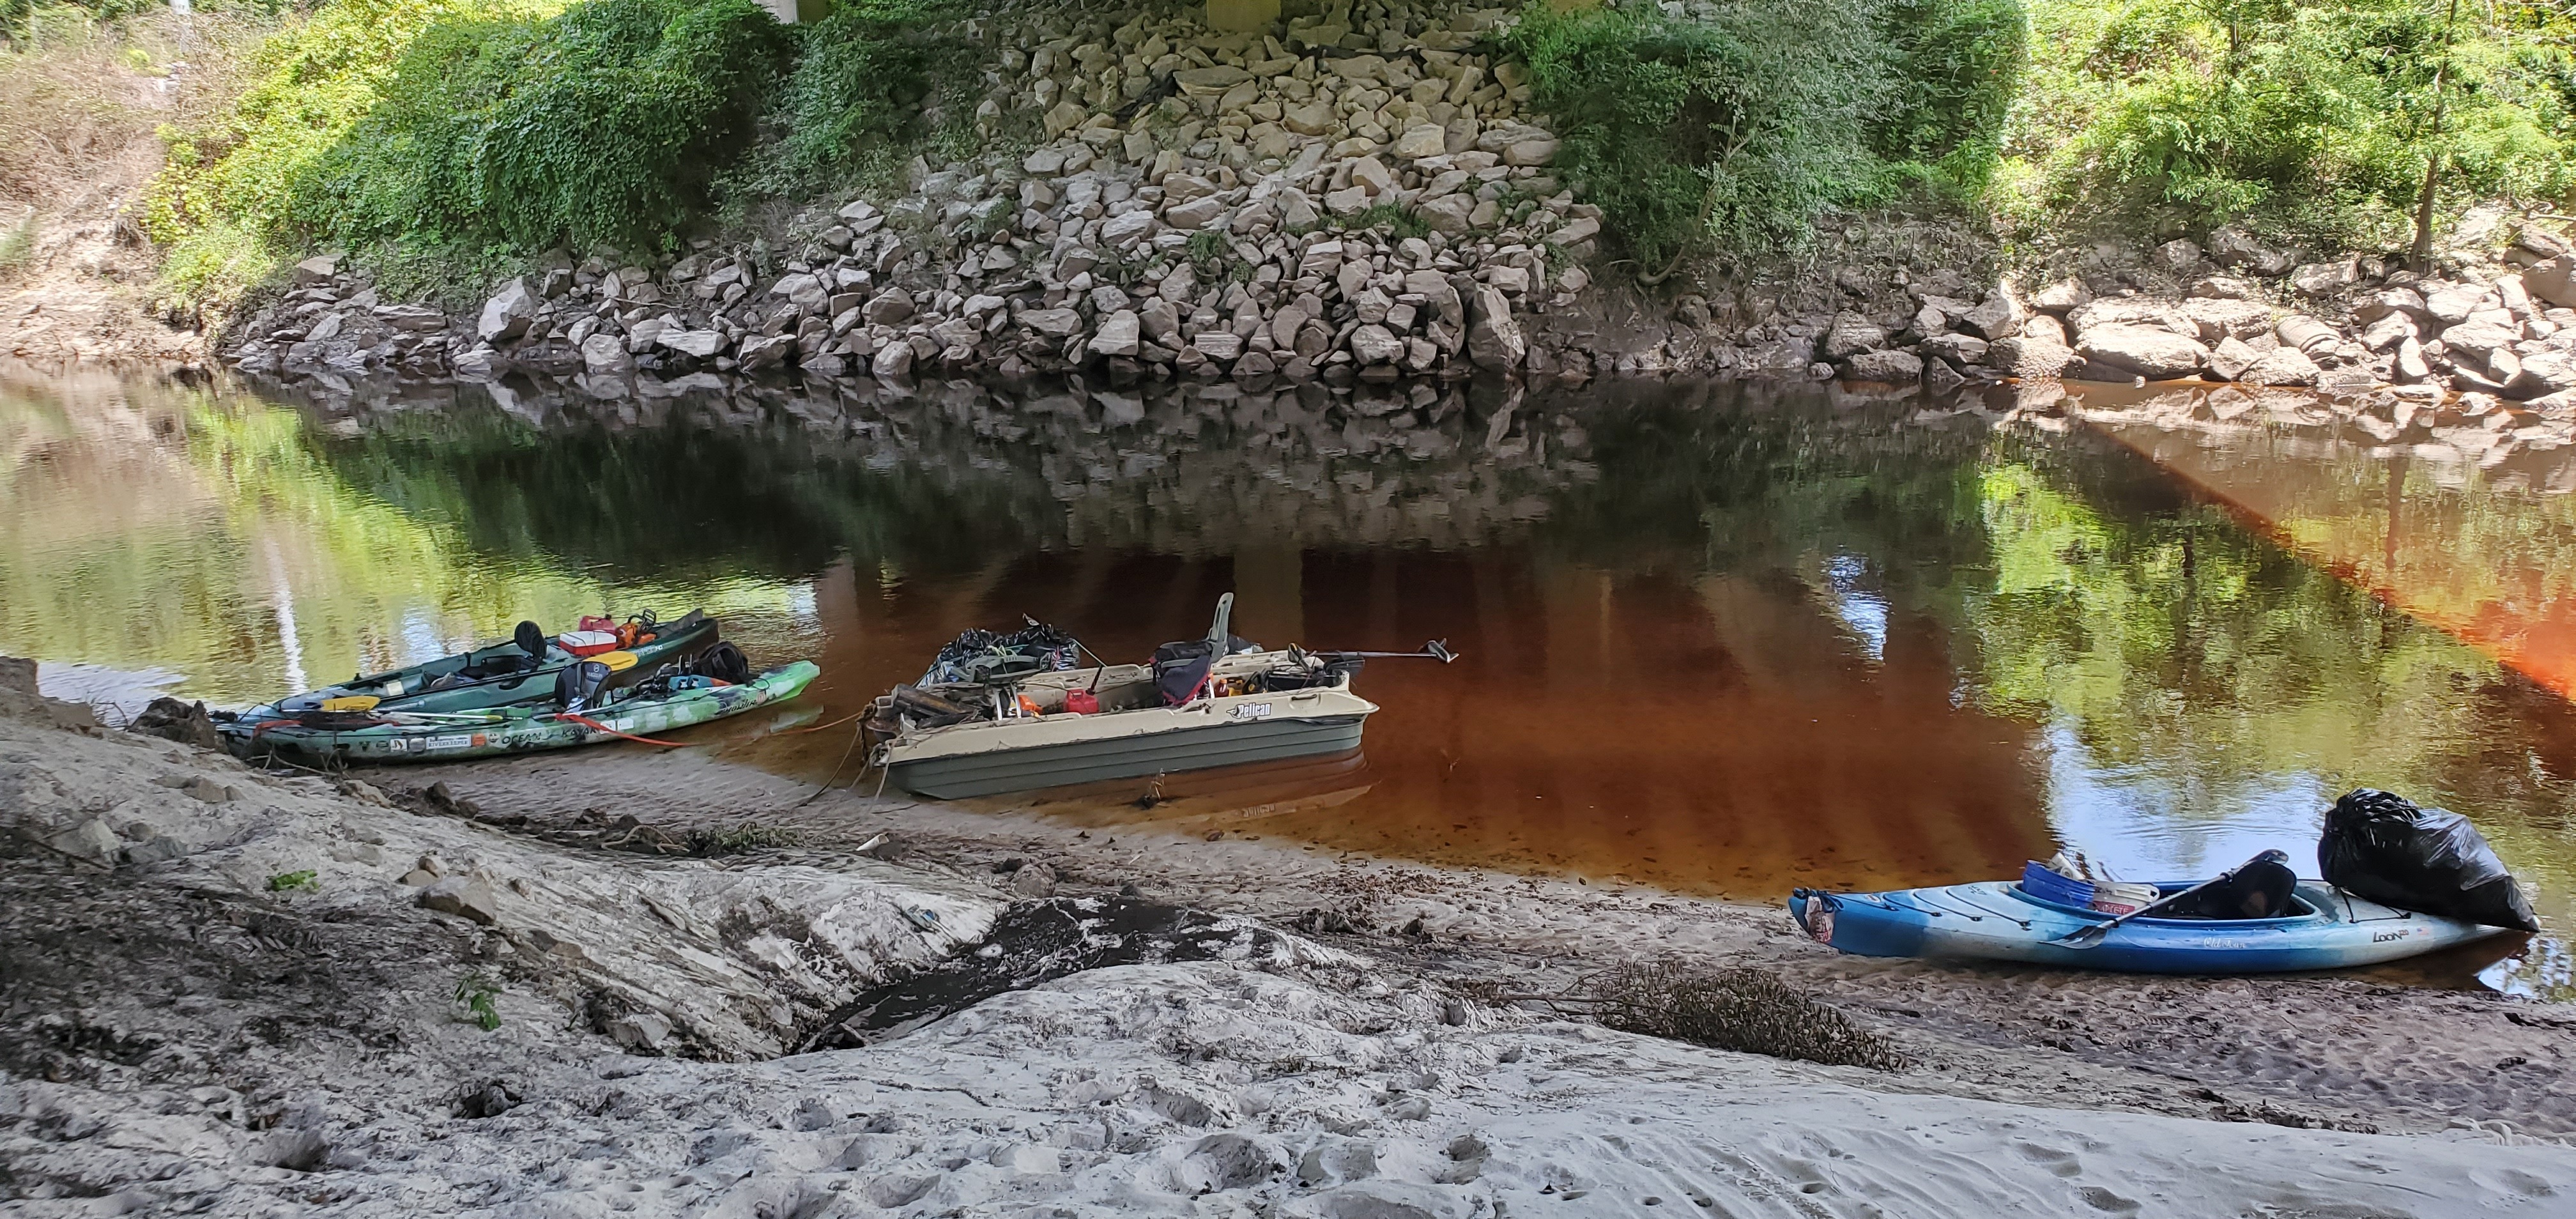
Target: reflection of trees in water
[(2198, 659)]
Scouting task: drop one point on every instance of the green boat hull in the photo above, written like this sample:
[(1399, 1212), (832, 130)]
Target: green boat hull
[(400, 690), (522, 730)]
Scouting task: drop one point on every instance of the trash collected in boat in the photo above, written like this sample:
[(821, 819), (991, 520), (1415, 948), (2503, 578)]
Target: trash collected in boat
[(2385, 848), (1008, 718), (2400, 881)]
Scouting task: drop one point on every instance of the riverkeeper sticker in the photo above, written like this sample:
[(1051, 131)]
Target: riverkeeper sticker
[(440, 744)]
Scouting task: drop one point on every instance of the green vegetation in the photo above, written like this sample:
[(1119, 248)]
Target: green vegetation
[(2318, 118), (1736, 130), (861, 88), (605, 123), (474, 994), (294, 882)]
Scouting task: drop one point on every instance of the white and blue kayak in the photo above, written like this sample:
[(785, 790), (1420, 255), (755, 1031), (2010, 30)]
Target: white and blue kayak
[(2327, 928)]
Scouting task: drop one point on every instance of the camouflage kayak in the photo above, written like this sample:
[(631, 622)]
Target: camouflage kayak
[(406, 736)]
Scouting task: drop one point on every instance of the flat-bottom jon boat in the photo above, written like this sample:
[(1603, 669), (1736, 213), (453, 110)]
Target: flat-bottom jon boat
[(2326, 928), (1012, 724), (370, 737), (1133, 734)]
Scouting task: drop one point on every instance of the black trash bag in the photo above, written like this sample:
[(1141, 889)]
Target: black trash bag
[(723, 662), (2382, 847)]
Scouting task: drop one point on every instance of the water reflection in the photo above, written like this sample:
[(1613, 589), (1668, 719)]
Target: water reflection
[(1715, 638)]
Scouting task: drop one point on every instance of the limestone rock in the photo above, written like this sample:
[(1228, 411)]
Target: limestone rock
[(2061, 297), (2152, 352), (1420, 141), (1891, 367), (605, 352), (2552, 280), (2217, 319), (1053, 323), (888, 307), (1851, 335), (1120, 334), (2231, 358), (2280, 366), (2180, 256), (507, 314), (1958, 348), (893, 362), (465, 897), (2324, 279), (1999, 316), (1372, 344), (1494, 339), (316, 270), (701, 344), (2543, 373), (763, 351)]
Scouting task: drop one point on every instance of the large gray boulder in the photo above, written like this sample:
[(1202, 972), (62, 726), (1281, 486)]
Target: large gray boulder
[(1999, 316), (2552, 280), (1892, 367), (2152, 352), (507, 314), (1121, 334), (605, 352), (1851, 335), (2280, 366), (1494, 339)]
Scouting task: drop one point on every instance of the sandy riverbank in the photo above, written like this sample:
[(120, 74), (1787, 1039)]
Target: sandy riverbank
[(179, 1035)]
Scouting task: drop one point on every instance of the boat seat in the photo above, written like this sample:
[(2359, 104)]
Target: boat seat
[(2260, 889)]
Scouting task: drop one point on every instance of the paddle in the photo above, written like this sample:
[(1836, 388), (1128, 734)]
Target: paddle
[(2092, 934)]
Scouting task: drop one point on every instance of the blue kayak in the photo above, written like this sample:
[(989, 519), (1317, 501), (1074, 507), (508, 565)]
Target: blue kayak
[(2000, 921)]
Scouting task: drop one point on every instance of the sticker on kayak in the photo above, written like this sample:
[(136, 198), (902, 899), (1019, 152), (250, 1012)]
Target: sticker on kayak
[(1252, 711), (459, 741)]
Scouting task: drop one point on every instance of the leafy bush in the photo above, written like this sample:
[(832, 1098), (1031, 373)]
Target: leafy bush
[(1735, 128), (861, 85), (223, 197), (1956, 70), (608, 122), (2318, 117)]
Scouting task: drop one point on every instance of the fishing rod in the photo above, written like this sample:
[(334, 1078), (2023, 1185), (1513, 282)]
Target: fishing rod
[(1437, 649)]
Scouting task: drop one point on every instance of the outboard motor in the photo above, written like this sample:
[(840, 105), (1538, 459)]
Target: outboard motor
[(578, 686)]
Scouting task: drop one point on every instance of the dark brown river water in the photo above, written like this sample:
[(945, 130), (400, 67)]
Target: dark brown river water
[(1714, 638)]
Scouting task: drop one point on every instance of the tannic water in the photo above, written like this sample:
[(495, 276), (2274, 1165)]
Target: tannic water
[(1716, 638)]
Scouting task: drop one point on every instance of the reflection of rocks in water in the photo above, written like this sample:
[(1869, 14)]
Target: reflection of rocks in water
[(1184, 468)]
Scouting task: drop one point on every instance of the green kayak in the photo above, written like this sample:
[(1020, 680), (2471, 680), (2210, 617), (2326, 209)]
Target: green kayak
[(519, 671), (410, 736)]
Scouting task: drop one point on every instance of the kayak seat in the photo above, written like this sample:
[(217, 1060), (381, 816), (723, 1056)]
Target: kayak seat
[(2260, 889)]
